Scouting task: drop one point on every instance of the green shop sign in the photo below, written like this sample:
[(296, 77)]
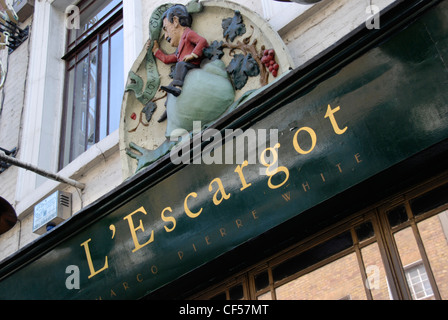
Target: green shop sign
[(365, 109)]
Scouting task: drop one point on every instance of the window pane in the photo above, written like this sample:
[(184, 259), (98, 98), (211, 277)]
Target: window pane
[(261, 280), (418, 282), (91, 124), (436, 247), (265, 296), (104, 89), (95, 12), (78, 138), (376, 274), (336, 280), (364, 231), (397, 216), (312, 256), (430, 200), (116, 81), (236, 292), (410, 256)]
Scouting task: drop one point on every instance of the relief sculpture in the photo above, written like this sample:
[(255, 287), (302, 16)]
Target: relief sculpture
[(202, 60)]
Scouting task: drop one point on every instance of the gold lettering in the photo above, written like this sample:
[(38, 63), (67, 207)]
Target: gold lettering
[(322, 176), (139, 278), (168, 219), (276, 169), (112, 293), (306, 186), (180, 254), (125, 286), (313, 136), (154, 270), (254, 214), (194, 248), (339, 167), (221, 190), (357, 156), (133, 229), (287, 196), (239, 223), (207, 240), (330, 114), (89, 260), (187, 210), (239, 170), (222, 231)]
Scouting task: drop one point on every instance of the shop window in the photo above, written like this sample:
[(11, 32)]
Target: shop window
[(94, 78), (408, 261)]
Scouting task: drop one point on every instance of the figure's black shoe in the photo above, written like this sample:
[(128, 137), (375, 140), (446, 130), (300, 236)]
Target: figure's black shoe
[(162, 117), (173, 90)]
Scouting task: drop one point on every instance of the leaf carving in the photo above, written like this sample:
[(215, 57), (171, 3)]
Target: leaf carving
[(233, 27)]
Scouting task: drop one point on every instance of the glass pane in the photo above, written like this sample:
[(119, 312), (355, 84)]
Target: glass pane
[(434, 239), (116, 26), (312, 256), (82, 54), (340, 279), (95, 12), (418, 282), (397, 216), (116, 81), (410, 256), (236, 292), (364, 231), (78, 143), (430, 200), (265, 296), (376, 274), (261, 280), (92, 98), (104, 89)]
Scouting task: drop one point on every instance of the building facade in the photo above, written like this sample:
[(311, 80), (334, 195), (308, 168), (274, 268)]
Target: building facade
[(352, 203)]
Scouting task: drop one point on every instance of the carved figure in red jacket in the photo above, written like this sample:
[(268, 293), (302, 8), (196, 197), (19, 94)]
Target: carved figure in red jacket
[(176, 24)]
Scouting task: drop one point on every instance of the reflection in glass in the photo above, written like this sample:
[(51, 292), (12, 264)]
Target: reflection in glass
[(436, 246), (409, 255), (418, 282), (312, 256), (265, 296), (92, 99), (336, 280), (375, 272)]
